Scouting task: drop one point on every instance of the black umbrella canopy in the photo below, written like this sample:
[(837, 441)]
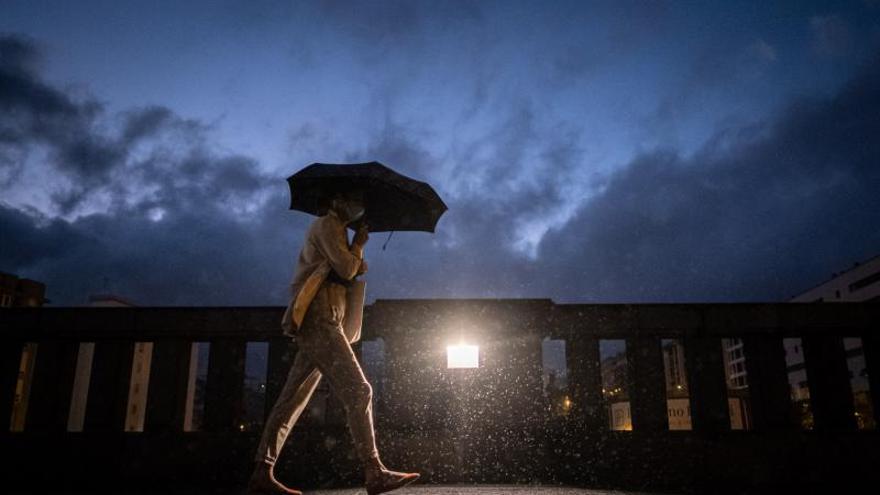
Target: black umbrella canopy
[(392, 200)]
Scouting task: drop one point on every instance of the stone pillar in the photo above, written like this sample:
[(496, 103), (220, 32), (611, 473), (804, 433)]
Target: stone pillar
[(282, 350), (708, 387), (831, 396), (647, 384), (10, 362), (510, 380), (871, 347), (585, 383), (169, 380), (54, 370), (396, 390), (768, 382), (224, 394), (108, 390)]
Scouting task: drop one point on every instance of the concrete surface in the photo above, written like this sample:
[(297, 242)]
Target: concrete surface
[(480, 490)]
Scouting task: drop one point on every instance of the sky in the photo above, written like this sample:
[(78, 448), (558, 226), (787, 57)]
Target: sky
[(589, 152)]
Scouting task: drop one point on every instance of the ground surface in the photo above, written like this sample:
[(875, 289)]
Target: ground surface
[(414, 490), (480, 490)]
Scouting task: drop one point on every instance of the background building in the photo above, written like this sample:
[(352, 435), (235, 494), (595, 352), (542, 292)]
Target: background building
[(21, 292), (140, 374), (861, 283), (858, 284)]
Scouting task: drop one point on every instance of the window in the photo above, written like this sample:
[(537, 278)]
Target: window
[(677, 397), (799, 388), (864, 282), (615, 383), (194, 413), (860, 385), (555, 377), (738, 396), (256, 370)]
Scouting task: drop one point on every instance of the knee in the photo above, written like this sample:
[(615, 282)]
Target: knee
[(363, 395)]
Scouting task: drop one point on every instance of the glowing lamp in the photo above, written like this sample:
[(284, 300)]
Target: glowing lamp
[(462, 356)]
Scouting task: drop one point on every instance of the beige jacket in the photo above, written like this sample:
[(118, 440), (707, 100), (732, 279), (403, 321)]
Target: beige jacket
[(325, 248)]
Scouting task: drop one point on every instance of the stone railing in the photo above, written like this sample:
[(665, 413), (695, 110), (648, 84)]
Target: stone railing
[(494, 423)]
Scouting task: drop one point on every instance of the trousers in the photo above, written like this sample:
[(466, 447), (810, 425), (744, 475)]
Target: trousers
[(323, 350)]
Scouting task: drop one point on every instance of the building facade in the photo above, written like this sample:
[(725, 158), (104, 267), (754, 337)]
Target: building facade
[(860, 283), (18, 292)]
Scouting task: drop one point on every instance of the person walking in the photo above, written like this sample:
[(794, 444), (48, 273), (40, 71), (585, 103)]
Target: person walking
[(326, 266)]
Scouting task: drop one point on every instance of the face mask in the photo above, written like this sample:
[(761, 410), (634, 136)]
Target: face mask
[(355, 212), (351, 211)]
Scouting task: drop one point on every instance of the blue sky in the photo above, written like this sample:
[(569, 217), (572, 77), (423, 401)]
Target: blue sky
[(588, 151)]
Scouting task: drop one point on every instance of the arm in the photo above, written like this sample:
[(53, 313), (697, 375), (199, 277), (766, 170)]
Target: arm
[(330, 240)]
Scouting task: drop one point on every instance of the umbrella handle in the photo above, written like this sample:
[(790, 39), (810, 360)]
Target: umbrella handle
[(386, 240)]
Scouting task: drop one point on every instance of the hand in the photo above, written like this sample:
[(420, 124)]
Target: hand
[(363, 268), (361, 236)]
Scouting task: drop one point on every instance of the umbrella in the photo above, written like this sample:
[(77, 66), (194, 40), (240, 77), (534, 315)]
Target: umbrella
[(392, 200)]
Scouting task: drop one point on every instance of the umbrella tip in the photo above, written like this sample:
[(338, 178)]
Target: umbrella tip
[(386, 240)]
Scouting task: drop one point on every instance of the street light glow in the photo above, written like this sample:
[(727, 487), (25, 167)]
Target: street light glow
[(462, 356)]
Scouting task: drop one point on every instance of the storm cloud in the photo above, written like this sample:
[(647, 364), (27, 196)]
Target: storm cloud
[(149, 201), (760, 213)]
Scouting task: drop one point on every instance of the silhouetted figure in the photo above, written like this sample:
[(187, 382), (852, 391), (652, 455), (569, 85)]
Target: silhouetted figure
[(314, 318)]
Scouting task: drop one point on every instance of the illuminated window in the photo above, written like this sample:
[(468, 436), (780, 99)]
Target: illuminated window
[(256, 370), (462, 356)]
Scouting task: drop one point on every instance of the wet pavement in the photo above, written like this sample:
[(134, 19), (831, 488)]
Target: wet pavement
[(411, 490), (481, 490)]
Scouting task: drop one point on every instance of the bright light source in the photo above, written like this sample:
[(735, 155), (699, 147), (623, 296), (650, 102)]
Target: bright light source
[(462, 356)]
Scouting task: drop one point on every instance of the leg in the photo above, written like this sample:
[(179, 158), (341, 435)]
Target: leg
[(302, 380), (331, 352)]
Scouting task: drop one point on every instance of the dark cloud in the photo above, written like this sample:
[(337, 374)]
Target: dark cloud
[(476, 250), (391, 22), (723, 69), (758, 214), (186, 224), (187, 258), (626, 29), (145, 122), (18, 53), (29, 237), (754, 216), (36, 108), (831, 35), (32, 113)]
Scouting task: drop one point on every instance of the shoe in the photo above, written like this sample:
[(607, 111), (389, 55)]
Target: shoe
[(390, 480), (272, 487), (270, 491)]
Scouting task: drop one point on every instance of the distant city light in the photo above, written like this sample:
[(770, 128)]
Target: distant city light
[(462, 356)]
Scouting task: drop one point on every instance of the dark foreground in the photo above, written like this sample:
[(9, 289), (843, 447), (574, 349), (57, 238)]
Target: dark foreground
[(483, 490), (413, 490)]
